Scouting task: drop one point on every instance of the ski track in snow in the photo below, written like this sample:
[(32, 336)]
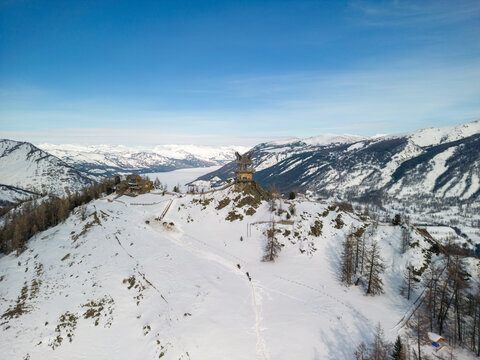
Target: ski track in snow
[(232, 266), (213, 256)]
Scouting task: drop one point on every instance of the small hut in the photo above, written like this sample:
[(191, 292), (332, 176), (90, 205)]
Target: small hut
[(436, 340)]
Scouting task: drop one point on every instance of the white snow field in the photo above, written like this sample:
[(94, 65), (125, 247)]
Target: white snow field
[(113, 286), (181, 176)]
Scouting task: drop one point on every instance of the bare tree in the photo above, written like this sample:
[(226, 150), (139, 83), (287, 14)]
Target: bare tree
[(374, 268), (362, 352), (380, 347), (409, 281), (274, 195), (419, 324), (272, 247), (347, 266), (405, 240)]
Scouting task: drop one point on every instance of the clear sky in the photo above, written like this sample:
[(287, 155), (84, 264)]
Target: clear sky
[(240, 72)]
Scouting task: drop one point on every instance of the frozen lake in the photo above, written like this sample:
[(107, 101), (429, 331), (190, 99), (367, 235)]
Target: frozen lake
[(180, 177)]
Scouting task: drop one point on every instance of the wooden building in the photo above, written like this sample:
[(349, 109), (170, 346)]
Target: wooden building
[(133, 184), (437, 341)]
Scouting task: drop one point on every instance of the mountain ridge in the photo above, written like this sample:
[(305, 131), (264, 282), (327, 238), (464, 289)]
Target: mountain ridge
[(356, 168), (26, 167)]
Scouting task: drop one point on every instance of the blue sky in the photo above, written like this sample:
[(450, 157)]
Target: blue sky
[(240, 72)]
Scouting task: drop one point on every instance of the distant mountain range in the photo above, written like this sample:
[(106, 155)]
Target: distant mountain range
[(27, 170), (101, 160), (436, 163)]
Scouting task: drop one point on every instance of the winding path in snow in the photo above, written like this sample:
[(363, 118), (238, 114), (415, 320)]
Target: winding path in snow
[(232, 266)]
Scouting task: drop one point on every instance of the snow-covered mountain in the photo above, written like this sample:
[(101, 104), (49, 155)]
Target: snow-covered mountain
[(101, 160), (25, 169), (437, 163), (12, 195), (115, 282)]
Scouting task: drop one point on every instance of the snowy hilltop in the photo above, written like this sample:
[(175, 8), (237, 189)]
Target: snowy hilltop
[(188, 276)]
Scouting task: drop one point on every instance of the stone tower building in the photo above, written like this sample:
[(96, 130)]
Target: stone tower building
[(244, 171)]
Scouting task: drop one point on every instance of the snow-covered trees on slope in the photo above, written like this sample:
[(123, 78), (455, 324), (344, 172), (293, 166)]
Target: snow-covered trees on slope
[(379, 349), (21, 224), (410, 281), (374, 268), (363, 261), (449, 304)]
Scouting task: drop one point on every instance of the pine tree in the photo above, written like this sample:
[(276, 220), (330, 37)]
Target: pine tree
[(398, 353), (374, 269), (397, 220)]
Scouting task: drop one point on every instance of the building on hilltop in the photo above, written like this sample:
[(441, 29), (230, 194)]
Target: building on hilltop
[(134, 184), (244, 171)]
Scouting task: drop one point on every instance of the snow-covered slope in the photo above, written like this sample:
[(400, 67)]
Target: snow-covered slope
[(321, 140), (10, 195), (101, 160), (121, 284), (25, 166), (439, 163)]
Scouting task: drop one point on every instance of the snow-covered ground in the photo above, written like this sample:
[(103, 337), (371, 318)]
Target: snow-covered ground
[(180, 177), (121, 284)]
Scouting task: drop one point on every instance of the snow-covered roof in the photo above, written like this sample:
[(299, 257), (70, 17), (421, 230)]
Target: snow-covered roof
[(434, 337)]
